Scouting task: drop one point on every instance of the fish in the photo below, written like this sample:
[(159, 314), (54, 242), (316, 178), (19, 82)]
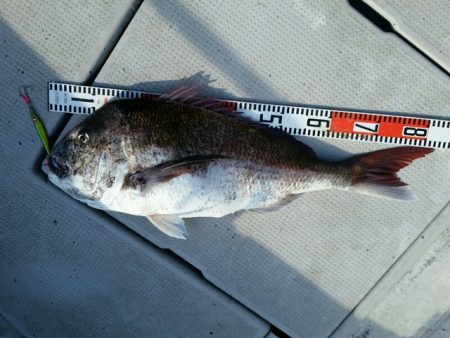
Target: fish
[(180, 156)]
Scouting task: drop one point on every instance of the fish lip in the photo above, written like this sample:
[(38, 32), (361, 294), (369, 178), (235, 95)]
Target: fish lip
[(45, 167), (59, 169)]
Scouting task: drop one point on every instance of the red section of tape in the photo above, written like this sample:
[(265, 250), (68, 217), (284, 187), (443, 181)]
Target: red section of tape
[(380, 125)]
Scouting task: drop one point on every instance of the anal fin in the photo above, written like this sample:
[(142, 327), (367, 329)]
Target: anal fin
[(278, 205)]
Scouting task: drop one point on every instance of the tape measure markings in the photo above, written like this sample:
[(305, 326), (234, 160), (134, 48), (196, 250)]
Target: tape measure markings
[(295, 120)]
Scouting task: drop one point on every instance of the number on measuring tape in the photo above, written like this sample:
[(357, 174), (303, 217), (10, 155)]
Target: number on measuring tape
[(365, 127), (272, 118), (416, 132), (318, 123)]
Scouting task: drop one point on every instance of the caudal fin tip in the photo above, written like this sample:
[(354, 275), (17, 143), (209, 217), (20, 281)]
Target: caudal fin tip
[(405, 193), (418, 152)]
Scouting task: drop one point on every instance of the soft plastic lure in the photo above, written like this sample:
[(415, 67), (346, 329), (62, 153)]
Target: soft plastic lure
[(40, 129)]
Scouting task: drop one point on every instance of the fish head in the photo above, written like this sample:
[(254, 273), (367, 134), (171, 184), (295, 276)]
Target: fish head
[(80, 163)]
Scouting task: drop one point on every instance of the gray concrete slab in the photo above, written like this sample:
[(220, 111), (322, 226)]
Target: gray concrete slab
[(361, 319), (423, 23), (418, 305), (319, 257), (68, 271)]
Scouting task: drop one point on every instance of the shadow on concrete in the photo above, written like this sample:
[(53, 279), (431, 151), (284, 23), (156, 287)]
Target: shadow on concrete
[(21, 66), (255, 277)]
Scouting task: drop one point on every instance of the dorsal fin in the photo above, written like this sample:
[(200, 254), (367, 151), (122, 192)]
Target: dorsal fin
[(182, 94), (190, 94)]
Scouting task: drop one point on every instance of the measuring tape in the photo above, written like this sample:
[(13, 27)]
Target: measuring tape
[(294, 120)]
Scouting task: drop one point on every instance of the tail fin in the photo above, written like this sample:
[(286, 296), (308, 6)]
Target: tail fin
[(376, 172)]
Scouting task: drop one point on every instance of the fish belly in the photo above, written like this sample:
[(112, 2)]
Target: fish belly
[(217, 191)]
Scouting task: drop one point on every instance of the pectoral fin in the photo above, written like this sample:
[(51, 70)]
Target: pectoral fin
[(171, 225), (166, 171)]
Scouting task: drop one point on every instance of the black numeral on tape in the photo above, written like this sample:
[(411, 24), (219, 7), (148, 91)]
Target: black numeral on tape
[(271, 120), (368, 128), (411, 131), (318, 123)]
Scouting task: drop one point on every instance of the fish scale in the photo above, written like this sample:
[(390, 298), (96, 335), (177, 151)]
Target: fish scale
[(387, 128)]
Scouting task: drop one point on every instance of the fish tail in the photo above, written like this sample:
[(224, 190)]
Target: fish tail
[(375, 173)]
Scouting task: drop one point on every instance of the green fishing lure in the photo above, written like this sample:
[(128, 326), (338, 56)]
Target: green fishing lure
[(38, 125)]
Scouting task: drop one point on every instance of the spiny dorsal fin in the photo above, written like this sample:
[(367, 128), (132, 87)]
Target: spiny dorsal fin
[(190, 94), (182, 94)]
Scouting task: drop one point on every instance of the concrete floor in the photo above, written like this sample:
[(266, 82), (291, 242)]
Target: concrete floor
[(330, 264)]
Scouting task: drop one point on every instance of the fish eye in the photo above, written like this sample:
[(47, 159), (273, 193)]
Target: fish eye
[(83, 137)]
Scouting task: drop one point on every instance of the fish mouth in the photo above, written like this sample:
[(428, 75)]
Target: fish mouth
[(59, 169), (45, 168)]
